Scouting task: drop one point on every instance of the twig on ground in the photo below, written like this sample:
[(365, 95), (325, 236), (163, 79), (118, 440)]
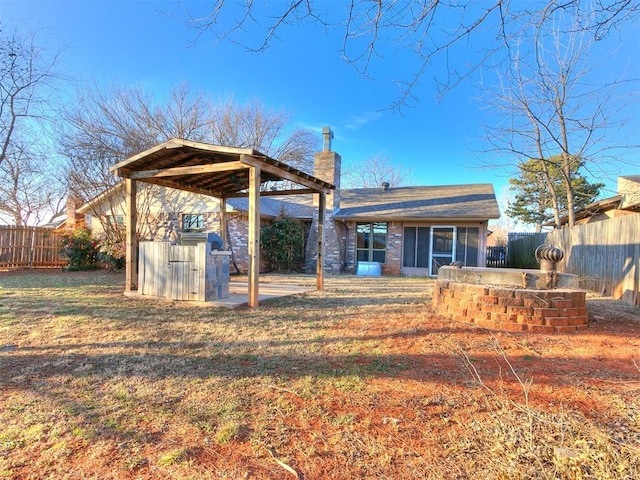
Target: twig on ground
[(284, 390), (289, 469)]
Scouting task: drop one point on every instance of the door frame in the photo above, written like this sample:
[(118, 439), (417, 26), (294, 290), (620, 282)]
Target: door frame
[(454, 231)]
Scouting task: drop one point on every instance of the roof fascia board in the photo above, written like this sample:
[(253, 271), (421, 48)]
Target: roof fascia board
[(179, 143), (86, 207), (374, 218)]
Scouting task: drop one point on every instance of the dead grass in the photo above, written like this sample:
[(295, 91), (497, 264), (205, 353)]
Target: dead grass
[(359, 381)]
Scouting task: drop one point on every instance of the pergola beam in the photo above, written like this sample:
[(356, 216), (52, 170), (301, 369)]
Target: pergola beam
[(190, 170), (274, 193)]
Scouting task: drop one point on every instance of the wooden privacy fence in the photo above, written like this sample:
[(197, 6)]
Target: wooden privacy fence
[(30, 247), (605, 255), (521, 250)]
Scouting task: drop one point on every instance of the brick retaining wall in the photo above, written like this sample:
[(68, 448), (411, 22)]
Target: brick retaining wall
[(512, 309)]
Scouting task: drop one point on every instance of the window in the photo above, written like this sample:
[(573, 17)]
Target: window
[(371, 242), (192, 222), (115, 219)]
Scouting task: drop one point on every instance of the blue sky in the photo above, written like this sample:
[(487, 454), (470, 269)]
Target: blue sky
[(440, 142)]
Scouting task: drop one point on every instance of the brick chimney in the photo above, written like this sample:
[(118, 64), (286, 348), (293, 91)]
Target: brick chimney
[(326, 166), (74, 219)]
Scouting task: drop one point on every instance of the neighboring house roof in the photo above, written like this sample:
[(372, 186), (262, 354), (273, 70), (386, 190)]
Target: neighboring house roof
[(444, 202), (591, 210), (628, 199), (56, 222)]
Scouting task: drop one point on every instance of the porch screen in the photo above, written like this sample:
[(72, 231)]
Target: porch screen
[(467, 245), (416, 247), (415, 252)]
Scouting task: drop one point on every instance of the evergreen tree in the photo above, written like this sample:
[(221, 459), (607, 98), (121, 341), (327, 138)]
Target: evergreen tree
[(534, 199)]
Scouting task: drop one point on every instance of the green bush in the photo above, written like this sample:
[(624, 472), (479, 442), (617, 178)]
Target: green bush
[(80, 249), (282, 244)]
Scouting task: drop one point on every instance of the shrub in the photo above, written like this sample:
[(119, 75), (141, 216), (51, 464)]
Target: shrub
[(80, 250), (282, 244), (112, 251)]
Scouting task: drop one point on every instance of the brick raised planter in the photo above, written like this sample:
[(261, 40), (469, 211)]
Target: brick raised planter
[(511, 308)]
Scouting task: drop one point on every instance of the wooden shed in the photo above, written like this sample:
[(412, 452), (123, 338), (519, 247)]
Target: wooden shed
[(222, 172)]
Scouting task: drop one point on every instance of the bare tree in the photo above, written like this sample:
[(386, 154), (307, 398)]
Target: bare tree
[(372, 172), (26, 76), (426, 29), (30, 190), (254, 126), (109, 125), (556, 119)]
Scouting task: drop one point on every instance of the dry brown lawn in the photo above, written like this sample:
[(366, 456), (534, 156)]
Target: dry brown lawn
[(359, 381)]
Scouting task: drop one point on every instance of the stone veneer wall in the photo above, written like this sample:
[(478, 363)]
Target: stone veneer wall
[(512, 309)]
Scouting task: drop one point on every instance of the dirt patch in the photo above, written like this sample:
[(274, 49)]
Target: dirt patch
[(361, 380)]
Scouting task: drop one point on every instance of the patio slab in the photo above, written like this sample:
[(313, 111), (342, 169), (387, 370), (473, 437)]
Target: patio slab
[(239, 294)]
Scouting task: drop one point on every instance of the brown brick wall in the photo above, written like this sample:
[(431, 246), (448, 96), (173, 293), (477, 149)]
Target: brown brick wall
[(327, 165), (394, 249), (509, 309)]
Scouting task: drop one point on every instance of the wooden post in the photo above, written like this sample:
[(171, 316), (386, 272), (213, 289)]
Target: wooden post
[(223, 223), (254, 235), (320, 262), (131, 274)]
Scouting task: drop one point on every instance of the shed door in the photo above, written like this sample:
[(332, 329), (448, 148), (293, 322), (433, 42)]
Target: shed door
[(183, 274)]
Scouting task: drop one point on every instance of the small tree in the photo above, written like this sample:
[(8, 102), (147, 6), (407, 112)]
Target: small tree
[(282, 244)]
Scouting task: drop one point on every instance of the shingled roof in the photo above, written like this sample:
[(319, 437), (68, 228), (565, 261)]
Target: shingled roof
[(298, 206), (473, 202), (455, 202)]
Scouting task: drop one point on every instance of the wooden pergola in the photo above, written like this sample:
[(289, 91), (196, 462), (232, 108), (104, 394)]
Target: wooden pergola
[(222, 172)]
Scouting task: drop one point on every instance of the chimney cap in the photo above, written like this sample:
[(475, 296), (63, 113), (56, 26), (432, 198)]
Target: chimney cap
[(385, 186), (327, 136)]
